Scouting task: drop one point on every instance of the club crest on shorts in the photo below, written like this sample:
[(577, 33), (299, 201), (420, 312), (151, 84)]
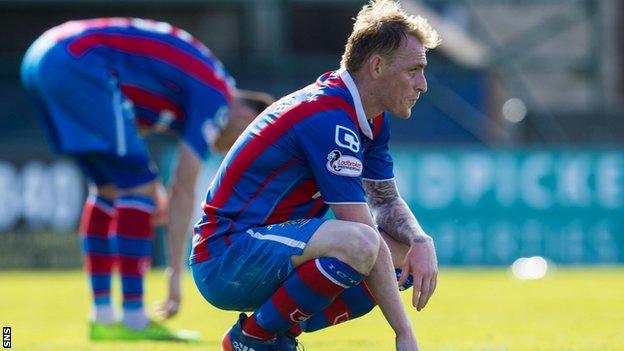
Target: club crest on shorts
[(297, 316), (344, 165), (341, 318)]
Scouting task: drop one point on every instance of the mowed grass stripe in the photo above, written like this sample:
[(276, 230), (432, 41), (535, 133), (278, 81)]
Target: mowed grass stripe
[(472, 309)]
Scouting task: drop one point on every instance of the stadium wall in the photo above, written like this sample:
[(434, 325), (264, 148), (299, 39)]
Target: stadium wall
[(483, 206)]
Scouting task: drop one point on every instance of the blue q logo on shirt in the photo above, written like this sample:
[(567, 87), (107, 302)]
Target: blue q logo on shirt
[(347, 138)]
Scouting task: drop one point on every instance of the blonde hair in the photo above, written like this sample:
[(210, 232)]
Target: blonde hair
[(380, 27)]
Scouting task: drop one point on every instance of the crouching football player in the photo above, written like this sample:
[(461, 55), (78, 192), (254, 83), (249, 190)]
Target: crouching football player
[(263, 245)]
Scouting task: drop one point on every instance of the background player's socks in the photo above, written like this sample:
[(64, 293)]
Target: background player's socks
[(98, 255), (311, 288), (104, 314), (133, 232)]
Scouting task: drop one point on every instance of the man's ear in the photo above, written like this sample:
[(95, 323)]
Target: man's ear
[(375, 66)]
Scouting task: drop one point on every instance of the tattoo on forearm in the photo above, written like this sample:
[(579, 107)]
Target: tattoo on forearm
[(380, 192), (392, 213)]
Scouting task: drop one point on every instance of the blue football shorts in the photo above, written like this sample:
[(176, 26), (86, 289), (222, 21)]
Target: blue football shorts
[(79, 102), (123, 172), (250, 270)]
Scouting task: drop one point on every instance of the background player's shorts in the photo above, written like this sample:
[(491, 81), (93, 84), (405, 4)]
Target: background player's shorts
[(123, 172), (79, 101), (249, 271)]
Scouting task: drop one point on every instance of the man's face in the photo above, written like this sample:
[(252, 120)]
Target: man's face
[(402, 78)]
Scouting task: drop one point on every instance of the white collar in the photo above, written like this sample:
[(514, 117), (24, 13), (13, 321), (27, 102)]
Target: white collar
[(359, 109)]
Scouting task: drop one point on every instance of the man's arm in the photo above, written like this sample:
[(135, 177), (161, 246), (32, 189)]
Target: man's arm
[(181, 203), (395, 218), (381, 280)]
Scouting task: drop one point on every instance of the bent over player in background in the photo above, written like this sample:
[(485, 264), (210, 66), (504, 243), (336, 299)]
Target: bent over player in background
[(262, 244), (99, 86)]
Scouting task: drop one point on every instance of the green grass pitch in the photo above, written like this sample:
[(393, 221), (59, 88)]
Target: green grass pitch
[(473, 309)]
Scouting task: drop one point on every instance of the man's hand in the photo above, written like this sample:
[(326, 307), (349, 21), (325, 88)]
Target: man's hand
[(406, 342), (395, 218), (161, 214), (170, 307), (422, 262)]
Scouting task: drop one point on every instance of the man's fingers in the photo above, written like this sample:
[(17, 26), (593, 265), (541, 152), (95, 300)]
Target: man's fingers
[(404, 274), (172, 309), (166, 309), (160, 310), (416, 293), (430, 292), (427, 291), (424, 293)]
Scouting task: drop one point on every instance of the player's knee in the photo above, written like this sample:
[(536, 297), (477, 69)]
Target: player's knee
[(362, 247)]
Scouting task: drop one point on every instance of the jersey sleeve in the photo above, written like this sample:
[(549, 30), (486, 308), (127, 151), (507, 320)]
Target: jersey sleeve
[(331, 145), (378, 163), (207, 114), (207, 107)]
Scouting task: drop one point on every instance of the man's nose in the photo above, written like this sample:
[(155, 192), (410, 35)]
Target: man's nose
[(421, 84)]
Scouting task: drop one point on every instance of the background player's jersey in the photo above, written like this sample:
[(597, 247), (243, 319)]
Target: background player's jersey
[(174, 83), (309, 149)]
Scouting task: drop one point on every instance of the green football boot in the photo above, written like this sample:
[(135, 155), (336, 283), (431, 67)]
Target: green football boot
[(154, 332), (100, 331)]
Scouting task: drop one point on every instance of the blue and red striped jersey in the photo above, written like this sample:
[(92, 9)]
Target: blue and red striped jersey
[(308, 150), (177, 86)]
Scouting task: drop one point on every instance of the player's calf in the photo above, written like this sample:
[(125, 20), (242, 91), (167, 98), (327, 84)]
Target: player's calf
[(310, 289), (352, 303)]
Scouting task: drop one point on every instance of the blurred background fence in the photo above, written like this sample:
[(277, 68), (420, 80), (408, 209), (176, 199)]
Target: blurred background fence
[(515, 150)]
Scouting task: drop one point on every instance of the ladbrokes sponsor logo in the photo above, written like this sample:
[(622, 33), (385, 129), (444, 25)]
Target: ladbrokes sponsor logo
[(343, 165)]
